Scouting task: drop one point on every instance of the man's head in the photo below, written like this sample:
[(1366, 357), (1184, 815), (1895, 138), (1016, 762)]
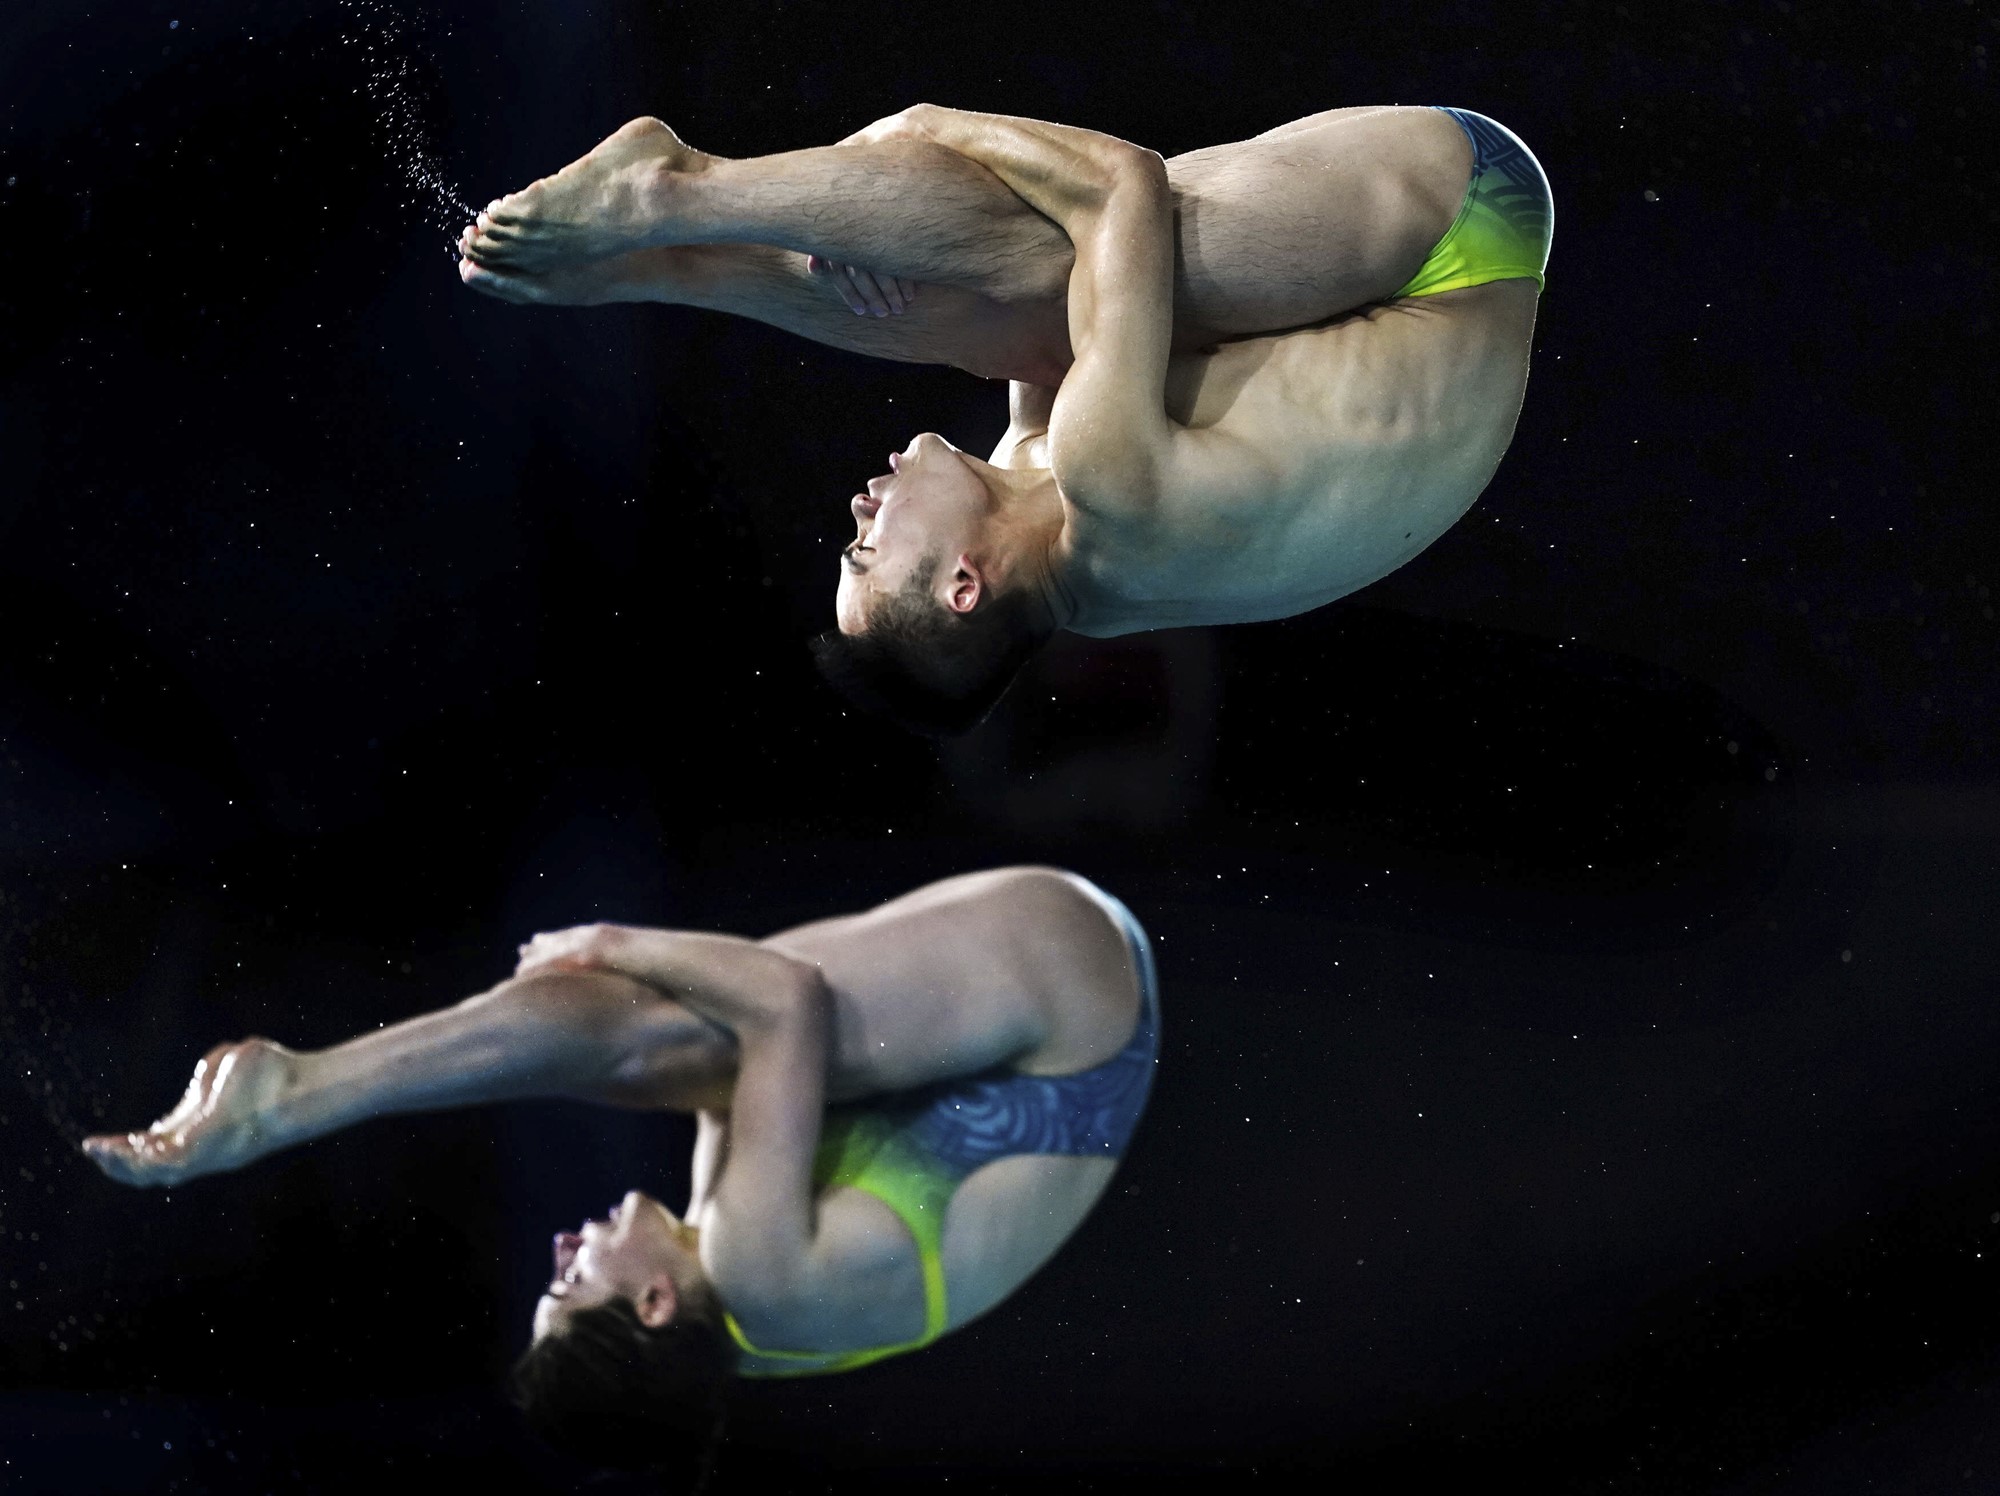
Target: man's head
[(946, 589), (630, 1359)]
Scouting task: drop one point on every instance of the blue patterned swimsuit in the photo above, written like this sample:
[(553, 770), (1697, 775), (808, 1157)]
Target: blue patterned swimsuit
[(913, 1151), (963, 1124)]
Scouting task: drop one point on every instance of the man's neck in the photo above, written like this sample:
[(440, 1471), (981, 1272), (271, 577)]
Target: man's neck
[(1061, 555), (1030, 524)]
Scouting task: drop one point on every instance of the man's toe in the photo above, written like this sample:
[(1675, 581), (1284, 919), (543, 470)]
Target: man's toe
[(511, 210), (487, 250), (512, 288)]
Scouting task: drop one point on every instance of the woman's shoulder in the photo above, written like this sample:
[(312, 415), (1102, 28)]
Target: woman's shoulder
[(864, 1288)]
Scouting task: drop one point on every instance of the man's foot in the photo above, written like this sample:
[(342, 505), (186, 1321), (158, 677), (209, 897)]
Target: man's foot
[(221, 1122), (604, 204), (637, 275)]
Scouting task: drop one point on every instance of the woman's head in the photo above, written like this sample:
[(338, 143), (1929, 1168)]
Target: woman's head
[(630, 1360)]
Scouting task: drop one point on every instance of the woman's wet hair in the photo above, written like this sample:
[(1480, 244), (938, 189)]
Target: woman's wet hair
[(609, 1391), (927, 668)]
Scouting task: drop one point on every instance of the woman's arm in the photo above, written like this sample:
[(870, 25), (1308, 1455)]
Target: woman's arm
[(594, 1036), (711, 1142), (759, 1221), (724, 978), (753, 1193)]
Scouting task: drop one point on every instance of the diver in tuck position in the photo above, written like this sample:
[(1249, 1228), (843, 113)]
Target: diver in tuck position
[(902, 1115), (1283, 366)]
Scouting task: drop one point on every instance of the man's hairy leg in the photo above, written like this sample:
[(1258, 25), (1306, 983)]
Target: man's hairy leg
[(1298, 225), (1316, 218), (944, 324), (605, 229), (900, 207), (1312, 219)]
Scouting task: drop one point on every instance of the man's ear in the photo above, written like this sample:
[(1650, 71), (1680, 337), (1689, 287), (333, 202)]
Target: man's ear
[(657, 1302), (967, 585)]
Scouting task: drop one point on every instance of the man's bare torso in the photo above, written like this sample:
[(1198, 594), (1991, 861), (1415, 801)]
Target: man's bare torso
[(1329, 454), (1336, 454)]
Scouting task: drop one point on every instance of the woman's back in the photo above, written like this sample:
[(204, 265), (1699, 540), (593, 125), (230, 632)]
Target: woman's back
[(1029, 962), (938, 1202)]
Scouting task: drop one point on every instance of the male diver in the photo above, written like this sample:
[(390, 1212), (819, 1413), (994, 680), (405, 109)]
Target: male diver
[(903, 1113), (1252, 380)]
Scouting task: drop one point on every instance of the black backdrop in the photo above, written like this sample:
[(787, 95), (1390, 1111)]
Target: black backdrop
[(1580, 1059)]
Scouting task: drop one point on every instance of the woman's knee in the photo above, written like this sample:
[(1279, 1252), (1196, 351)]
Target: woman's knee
[(599, 1001)]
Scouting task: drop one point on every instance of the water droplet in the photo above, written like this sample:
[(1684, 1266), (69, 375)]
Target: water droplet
[(403, 96)]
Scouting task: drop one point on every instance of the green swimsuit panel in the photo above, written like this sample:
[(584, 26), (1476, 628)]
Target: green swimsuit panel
[(1505, 223), (866, 1151)]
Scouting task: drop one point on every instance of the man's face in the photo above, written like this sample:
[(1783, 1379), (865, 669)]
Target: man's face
[(928, 505), (614, 1258)]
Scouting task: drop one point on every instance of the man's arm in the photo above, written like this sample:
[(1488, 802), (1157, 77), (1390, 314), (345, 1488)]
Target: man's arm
[(592, 1035), (1028, 409), (1110, 440)]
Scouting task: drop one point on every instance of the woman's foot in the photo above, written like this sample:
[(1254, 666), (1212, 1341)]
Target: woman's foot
[(606, 203), (221, 1123)]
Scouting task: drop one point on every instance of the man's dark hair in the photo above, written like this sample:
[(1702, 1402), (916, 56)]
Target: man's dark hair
[(608, 1390), (927, 668)]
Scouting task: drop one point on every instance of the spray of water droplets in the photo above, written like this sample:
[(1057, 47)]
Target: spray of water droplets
[(43, 1049), (402, 92), (38, 1038)]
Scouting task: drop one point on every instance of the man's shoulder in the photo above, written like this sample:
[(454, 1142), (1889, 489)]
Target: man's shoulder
[(1198, 492)]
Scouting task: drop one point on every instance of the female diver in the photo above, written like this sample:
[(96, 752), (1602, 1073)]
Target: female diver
[(902, 1113)]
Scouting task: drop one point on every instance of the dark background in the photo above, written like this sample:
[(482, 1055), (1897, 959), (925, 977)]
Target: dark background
[(1577, 949)]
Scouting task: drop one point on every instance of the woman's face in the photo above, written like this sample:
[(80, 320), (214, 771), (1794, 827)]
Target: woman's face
[(637, 1254)]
